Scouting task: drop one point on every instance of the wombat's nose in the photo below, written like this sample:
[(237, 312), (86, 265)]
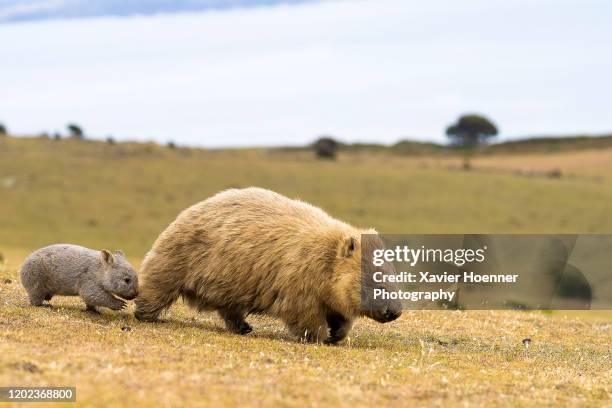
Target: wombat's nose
[(132, 295), (391, 315)]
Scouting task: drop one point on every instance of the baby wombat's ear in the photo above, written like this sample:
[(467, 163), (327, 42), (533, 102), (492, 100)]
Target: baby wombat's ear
[(119, 252), (107, 257), (348, 247)]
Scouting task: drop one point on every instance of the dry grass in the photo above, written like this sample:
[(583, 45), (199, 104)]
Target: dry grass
[(581, 164), (122, 196), (425, 358)]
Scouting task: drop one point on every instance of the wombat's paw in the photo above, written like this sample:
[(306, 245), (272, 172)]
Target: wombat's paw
[(121, 305), (331, 341), (150, 319), (245, 328), (47, 305)]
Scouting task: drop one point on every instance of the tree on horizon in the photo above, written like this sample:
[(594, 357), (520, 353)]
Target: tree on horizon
[(75, 131), (471, 130)]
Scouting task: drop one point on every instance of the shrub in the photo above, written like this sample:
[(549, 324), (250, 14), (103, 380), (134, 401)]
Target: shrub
[(326, 148)]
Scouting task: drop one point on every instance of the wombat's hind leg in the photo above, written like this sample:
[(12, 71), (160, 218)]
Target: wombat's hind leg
[(91, 309), (36, 299), (234, 321), (339, 327)]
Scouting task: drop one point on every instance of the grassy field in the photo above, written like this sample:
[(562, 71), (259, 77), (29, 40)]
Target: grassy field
[(122, 196)]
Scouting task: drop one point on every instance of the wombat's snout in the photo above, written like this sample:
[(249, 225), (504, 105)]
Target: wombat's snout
[(391, 315), (132, 295)]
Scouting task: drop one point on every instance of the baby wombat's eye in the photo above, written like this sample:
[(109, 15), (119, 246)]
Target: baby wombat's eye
[(127, 280)]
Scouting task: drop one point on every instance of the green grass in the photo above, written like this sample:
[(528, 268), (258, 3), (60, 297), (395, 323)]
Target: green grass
[(101, 195), (122, 196)]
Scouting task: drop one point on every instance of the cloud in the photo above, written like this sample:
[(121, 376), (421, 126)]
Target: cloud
[(15, 10), (28, 10)]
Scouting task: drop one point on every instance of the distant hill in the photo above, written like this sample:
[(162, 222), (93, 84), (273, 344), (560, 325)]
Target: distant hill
[(551, 144), (28, 10), (528, 145), (542, 144)]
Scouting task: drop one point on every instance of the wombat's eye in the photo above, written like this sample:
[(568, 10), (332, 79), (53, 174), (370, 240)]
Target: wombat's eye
[(127, 280)]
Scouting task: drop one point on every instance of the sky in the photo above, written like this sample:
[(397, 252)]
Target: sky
[(28, 10), (284, 74)]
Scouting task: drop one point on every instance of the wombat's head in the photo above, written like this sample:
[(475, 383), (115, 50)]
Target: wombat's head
[(120, 278), (353, 289)]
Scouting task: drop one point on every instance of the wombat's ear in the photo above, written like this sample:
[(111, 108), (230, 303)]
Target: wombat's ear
[(119, 252), (348, 247), (107, 257)]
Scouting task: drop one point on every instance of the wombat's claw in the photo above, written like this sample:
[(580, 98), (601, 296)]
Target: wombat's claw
[(331, 341), (245, 328)]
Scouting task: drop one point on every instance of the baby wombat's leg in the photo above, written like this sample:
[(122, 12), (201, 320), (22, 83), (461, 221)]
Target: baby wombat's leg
[(91, 308), (234, 321), (95, 296), (339, 328), (37, 293), (33, 280), (37, 297)]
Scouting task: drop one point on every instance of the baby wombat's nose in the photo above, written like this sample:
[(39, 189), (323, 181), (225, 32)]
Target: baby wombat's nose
[(132, 295)]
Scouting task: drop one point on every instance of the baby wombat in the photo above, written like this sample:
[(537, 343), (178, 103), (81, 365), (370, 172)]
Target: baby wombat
[(71, 270)]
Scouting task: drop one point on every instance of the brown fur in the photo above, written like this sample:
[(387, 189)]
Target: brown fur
[(255, 251)]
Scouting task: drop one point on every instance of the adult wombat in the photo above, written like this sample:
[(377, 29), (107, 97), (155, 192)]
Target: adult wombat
[(72, 270), (255, 251)]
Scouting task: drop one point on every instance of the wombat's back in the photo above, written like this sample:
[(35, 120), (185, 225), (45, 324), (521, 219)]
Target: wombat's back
[(244, 228), (56, 268), (240, 247)]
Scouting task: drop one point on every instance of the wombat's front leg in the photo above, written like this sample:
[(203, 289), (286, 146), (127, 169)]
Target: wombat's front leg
[(157, 292), (234, 321), (310, 328), (113, 303), (94, 296), (339, 328)]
